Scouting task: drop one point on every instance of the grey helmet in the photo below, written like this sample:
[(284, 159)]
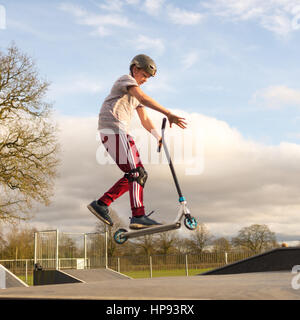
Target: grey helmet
[(144, 62)]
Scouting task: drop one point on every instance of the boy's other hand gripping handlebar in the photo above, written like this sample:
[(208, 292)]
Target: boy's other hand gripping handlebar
[(163, 127)]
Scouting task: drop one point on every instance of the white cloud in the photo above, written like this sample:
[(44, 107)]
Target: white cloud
[(75, 84), (190, 59), (243, 182), (153, 7), (101, 23), (276, 97), (160, 84), (133, 2), (278, 16), (146, 43), (111, 5), (75, 10), (183, 17)]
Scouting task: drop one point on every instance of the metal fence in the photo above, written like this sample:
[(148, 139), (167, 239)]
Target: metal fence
[(135, 266), (180, 264), (62, 250), (22, 268)]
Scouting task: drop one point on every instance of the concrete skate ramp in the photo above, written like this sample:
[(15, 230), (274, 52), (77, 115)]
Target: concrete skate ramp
[(246, 286), (9, 280), (92, 275), (281, 259)]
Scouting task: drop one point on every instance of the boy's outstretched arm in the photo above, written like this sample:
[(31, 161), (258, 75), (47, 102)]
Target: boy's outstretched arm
[(147, 122), (144, 99)]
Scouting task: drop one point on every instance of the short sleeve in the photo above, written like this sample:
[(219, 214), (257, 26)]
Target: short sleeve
[(124, 82)]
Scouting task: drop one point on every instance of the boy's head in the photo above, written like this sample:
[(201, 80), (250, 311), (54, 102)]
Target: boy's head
[(143, 63)]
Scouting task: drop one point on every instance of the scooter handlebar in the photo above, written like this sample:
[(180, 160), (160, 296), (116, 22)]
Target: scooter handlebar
[(163, 127), (164, 122)]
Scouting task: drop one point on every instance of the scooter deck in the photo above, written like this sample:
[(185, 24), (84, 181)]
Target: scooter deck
[(151, 230)]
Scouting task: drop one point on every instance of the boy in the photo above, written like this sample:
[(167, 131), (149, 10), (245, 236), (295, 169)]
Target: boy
[(114, 119)]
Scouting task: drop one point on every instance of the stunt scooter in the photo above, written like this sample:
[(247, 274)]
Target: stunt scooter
[(122, 235)]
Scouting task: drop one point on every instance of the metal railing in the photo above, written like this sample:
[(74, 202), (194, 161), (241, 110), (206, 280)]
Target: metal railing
[(22, 268), (179, 264), (56, 250), (135, 266)]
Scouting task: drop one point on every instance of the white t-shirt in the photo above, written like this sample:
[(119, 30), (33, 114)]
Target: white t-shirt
[(117, 109)]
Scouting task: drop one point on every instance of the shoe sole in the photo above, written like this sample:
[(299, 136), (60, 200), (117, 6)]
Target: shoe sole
[(95, 213)]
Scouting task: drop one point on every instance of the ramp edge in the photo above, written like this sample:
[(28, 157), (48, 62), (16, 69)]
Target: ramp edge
[(122, 274), (70, 275), (14, 276), (228, 266)]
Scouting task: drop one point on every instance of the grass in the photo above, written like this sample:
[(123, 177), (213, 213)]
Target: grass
[(29, 279), (163, 273)]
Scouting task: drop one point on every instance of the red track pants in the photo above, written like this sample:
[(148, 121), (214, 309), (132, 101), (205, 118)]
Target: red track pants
[(122, 149)]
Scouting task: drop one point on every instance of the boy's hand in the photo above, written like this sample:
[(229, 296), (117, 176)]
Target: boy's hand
[(177, 120), (159, 144)]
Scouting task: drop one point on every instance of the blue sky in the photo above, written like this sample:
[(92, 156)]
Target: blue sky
[(227, 59), (232, 66)]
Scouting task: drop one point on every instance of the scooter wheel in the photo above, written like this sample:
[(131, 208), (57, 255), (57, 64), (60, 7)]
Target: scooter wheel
[(119, 237), (190, 223)]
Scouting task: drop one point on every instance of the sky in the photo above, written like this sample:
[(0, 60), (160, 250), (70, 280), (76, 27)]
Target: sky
[(231, 67)]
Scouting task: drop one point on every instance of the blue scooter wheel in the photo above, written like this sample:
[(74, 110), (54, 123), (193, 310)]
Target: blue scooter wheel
[(190, 223), (119, 237)]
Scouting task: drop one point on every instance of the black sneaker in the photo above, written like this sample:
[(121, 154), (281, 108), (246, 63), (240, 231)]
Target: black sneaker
[(101, 212), (142, 222)]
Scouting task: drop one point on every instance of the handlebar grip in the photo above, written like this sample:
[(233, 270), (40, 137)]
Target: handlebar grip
[(164, 122), (159, 145), (163, 126)]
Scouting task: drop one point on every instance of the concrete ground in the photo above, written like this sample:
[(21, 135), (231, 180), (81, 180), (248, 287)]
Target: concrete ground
[(246, 286)]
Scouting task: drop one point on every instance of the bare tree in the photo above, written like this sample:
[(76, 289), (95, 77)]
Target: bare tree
[(28, 142), (199, 239), (113, 249), (255, 238), (68, 247), (146, 244), (166, 242), (2, 244), (19, 243), (222, 244)]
